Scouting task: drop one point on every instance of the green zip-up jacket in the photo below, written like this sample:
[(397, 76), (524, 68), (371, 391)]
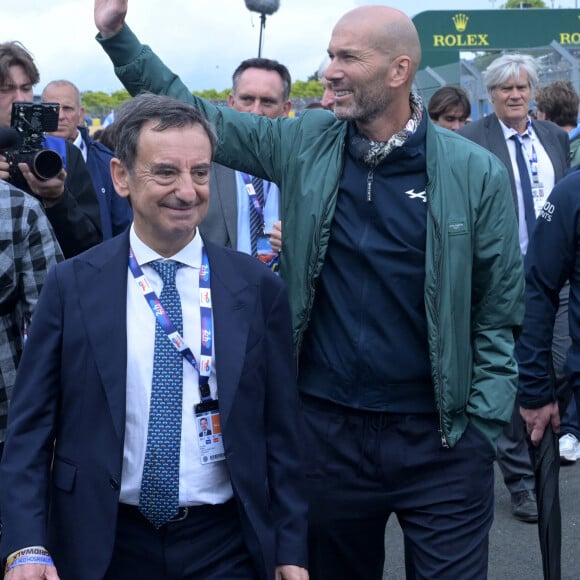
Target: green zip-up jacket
[(474, 281)]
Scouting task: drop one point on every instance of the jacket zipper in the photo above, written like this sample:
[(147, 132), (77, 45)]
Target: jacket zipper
[(370, 177), (444, 442)]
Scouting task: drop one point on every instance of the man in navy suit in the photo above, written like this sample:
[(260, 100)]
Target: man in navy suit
[(84, 486), (511, 80), (203, 426)]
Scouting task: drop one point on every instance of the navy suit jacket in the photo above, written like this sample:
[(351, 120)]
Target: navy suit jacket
[(487, 132), (61, 470), (116, 213)]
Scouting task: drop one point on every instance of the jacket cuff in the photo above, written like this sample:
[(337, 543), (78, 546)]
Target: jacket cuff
[(528, 401), (122, 48)]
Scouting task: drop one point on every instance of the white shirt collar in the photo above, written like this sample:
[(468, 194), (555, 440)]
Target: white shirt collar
[(190, 255), (81, 145), (508, 131)]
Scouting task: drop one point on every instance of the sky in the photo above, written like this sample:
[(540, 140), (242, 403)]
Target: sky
[(201, 40)]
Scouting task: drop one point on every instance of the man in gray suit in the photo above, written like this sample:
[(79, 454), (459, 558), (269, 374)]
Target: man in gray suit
[(260, 86), (536, 155)]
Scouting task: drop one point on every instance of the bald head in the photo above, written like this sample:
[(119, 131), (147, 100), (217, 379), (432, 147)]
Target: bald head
[(374, 55), (72, 113), (385, 29)]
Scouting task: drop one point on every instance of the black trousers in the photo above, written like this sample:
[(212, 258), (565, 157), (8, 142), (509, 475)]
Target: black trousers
[(512, 446), (207, 545), (363, 467)]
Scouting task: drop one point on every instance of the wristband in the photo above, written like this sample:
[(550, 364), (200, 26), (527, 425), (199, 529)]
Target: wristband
[(25, 552), (32, 559)]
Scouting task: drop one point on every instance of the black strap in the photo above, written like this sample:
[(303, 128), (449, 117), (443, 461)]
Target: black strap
[(8, 305)]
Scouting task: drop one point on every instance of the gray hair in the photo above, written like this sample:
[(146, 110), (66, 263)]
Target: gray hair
[(64, 83), (166, 112), (507, 66), (322, 68)]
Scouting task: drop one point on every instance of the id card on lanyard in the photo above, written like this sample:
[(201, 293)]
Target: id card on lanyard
[(211, 446), (264, 248), (539, 194)]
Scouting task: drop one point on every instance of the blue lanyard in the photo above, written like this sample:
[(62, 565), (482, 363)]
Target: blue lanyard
[(252, 194), (533, 158), (205, 311)]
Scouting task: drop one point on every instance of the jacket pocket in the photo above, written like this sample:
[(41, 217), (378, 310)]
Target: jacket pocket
[(457, 226), (64, 475)]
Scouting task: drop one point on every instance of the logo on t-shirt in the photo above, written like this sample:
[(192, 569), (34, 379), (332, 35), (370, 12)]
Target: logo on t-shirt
[(422, 195)]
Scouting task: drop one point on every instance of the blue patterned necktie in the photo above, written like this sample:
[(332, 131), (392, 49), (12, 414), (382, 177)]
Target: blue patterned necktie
[(257, 220), (530, 214), (159, 499)]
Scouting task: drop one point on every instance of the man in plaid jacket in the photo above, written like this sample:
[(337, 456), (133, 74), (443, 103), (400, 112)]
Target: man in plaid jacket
[(28, 248)]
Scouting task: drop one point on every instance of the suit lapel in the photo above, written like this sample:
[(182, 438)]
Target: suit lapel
[(105, 273), (498, 146), (233, 309), (227, 191), (553, 149), (104, 309)]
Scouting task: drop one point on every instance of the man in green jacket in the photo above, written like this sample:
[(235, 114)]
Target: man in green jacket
[(405, 278)]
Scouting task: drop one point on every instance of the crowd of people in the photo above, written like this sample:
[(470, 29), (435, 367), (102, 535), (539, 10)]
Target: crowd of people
[(232, 345)]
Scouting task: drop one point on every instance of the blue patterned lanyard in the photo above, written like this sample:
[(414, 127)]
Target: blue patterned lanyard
[(252, 194), (533, 158), (205, 311)]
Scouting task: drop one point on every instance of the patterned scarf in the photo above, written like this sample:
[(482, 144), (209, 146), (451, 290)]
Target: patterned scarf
[(373, 152)]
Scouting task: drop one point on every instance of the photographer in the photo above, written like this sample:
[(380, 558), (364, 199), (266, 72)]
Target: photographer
[(69, 199), (116, 214)]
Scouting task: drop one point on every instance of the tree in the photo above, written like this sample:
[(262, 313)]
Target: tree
[(511, 4), (119, 97), (92, 100), (306, 89), (213, 95), (100, 104)]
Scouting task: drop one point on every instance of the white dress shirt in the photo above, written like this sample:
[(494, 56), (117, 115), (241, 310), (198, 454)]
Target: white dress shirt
[(546, 176), (271, 211), (198, 484), (81, 145)]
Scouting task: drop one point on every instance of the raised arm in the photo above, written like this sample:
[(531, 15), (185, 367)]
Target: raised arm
[(140, 69), (110, 16)]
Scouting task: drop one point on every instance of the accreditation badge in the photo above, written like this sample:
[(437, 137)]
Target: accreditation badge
[(539, 196), (266, 254), (208, 427)]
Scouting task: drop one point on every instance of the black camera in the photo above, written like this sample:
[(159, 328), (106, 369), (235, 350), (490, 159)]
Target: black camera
[(24, 142)]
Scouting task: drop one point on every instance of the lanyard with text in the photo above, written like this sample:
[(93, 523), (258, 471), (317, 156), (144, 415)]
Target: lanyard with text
[(253, 196), (265, 253), (205, 311), (539, 193), (531, 156)]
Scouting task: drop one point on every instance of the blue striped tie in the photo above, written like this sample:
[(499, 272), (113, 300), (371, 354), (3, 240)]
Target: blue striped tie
[(257, 220), (530, 213), (159, 499)]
